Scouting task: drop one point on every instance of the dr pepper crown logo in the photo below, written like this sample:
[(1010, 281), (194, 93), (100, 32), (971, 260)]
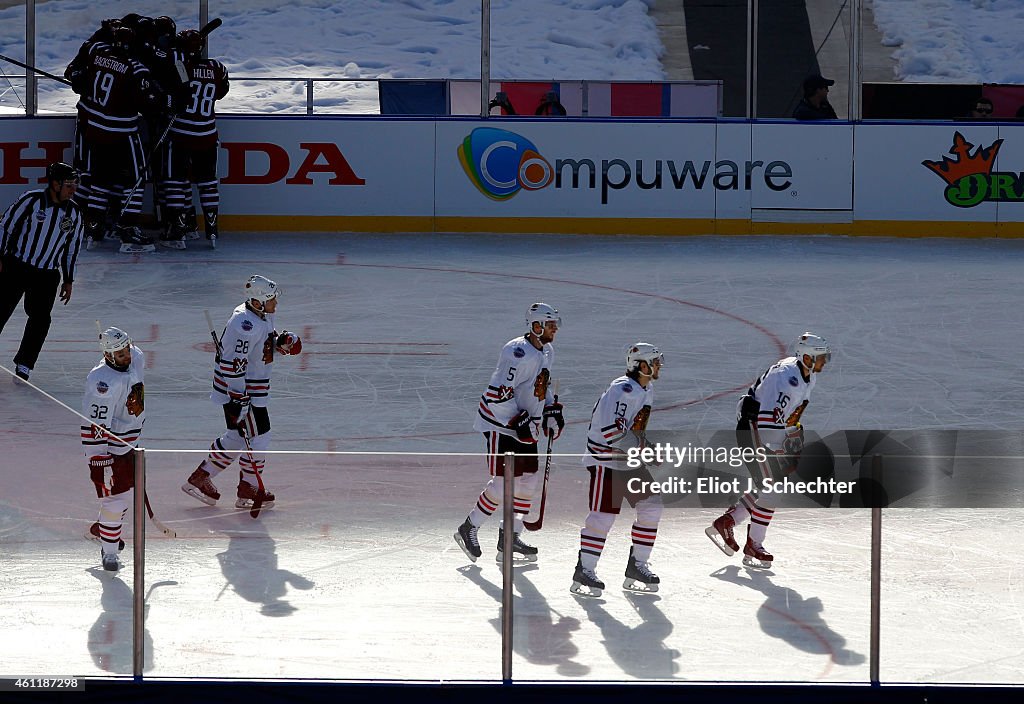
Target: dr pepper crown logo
[(970, 178), (501, 163)]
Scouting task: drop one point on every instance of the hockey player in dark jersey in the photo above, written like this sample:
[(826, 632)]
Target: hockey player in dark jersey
[(114, 86), (193, 144)]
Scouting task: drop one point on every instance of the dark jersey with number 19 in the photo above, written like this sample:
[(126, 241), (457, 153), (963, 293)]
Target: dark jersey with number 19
[(196, 125), (115, 86)]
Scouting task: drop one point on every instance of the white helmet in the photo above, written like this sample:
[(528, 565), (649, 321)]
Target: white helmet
[(541, 313), (813, 345), (113, 340), (642, 352), (261, 288)]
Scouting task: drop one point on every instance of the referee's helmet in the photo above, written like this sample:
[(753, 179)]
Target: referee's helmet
[(59, 171)]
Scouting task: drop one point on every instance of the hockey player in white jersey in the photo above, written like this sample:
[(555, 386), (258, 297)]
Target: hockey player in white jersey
[(241, 386), (114, 403), (768, 416), (619, 423), (515, 409)]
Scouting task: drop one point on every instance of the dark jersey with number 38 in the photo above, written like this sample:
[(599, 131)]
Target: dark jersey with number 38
[(195, 127)]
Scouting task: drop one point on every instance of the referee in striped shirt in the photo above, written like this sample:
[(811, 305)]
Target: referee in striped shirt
[(40, 235)]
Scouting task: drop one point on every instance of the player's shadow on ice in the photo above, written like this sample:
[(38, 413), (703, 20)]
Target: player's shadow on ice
[(537, 636), (110, 638), (638, 650), (250, 567), (790, 617)]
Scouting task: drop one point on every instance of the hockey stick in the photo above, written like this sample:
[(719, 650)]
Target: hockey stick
[(213, 334), (161, 526), (536, 525), (261, 491), (142, 173), (35, 70), (210, 26)]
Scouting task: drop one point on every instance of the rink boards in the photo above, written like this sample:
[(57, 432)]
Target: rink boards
[(530, 175)]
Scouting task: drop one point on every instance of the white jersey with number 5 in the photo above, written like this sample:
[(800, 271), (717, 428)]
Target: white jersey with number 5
[(105, 404), (512, 386)]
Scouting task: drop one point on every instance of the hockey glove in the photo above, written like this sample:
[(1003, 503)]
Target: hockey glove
[(793, 445), (553, 420), (289, 343), (98, 466), (521, 424), (238, 413), (97, 463)]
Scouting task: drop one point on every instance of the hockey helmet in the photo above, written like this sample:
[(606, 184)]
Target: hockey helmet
[(261, 288), (113, 340), (122, 38), (542, 313), (165, 25), (812, 345), (643, 352), (191, 42), (61, 172)]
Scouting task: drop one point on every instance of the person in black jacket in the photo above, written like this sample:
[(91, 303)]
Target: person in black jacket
[(40, 237), (815, 105)]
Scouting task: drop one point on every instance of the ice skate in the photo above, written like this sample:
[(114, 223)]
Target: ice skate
[(246, 495), (200, 487), (21, 373), (110, 561), (467, 539), (755, 556), (639, 577), (721, 535), (585, 581), (521, 552), (94, 534), (133, 241)]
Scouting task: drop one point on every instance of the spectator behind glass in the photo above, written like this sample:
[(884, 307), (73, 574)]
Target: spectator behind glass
[(815, 105), (981, 110), (549, 105)]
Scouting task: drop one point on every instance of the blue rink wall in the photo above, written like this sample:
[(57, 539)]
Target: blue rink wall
[(594, 176)]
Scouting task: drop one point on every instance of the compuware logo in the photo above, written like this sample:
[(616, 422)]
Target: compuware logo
[(501, 163)]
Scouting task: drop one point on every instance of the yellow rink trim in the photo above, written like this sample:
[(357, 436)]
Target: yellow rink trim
[(615, 226)]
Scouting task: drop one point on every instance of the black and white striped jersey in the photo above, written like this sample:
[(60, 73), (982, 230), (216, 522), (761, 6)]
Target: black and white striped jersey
[(42, 233)]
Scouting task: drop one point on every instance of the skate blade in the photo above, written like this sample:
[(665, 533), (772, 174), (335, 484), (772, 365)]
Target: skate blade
[(248, 503), (754, 563), (585, 591), (196, 494), (192, 235), (213, 243), (462, 544), (517, 559), (638, 587), (719, 542), (127, 248), (172, 244)]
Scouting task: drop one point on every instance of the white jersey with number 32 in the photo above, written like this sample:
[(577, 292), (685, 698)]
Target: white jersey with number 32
[(105, 404)]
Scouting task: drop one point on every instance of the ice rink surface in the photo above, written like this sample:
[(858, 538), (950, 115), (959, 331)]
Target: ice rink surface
[(354, 574)]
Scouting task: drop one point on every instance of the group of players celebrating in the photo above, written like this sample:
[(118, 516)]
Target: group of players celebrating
[(140, 72), (518, 408)]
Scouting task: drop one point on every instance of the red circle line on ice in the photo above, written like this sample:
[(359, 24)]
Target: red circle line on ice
[(779, 345)]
